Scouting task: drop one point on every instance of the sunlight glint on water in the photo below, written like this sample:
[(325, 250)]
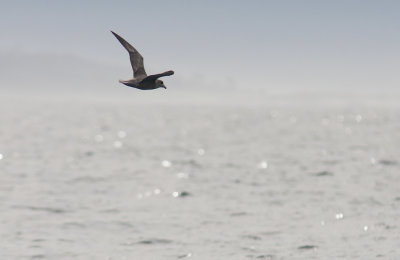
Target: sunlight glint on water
[(220, 182)]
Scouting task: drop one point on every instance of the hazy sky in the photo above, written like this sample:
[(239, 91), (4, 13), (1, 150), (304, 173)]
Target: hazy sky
[(345, 44)]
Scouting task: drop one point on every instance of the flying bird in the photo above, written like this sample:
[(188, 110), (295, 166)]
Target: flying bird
[(140, 79)]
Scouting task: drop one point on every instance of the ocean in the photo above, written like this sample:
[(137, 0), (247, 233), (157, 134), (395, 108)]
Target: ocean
[(264, 178)]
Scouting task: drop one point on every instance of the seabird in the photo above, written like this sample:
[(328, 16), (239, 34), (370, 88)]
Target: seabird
[(140, 79)]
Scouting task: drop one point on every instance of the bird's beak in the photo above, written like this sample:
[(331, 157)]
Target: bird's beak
[(164, 87)]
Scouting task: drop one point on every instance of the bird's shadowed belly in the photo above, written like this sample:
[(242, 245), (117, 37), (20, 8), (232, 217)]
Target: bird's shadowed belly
[(141, 85)]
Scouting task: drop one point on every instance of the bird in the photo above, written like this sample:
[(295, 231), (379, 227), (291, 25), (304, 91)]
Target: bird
[(140, 79)]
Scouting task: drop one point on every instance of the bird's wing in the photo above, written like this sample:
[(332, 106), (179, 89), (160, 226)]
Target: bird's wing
[(156, 76), (135, 57)]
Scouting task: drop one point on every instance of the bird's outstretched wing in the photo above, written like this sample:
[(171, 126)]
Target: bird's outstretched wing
[(156, 76), (135, 57)]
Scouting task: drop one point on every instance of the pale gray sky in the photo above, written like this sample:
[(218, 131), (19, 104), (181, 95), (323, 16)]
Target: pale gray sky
[(299, 45)]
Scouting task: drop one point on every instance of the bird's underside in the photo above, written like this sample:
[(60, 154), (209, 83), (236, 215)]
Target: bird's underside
[(147, 82), (140, 79)]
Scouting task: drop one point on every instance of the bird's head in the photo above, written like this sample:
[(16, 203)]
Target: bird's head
[(160, 84)]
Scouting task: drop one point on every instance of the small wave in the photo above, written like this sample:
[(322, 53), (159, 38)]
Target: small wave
[(124, 224), (252, 237), (271, 233), (232, 165), (323, 173), (63, 240), (110, 211), (388, 162), (238, 214), (89, 153), (45, 209), (38, 240), (307, 247), (154, 241), (184, 194), (269, 257), (176, 194), (191, 163), (74, 225), (185, 255)]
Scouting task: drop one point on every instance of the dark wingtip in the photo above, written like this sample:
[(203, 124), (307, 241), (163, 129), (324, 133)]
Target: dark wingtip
[(115, 34)]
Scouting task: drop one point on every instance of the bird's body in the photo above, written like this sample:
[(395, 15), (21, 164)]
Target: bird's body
[(140, 79), (140, 84)]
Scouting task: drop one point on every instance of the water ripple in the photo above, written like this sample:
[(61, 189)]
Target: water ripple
[(307, 247), (44, 209), (154, 241)]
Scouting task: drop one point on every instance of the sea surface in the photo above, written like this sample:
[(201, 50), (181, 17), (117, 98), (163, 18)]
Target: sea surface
[(91, 178)]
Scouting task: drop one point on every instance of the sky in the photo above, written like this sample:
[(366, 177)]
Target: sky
[(270, 45)]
